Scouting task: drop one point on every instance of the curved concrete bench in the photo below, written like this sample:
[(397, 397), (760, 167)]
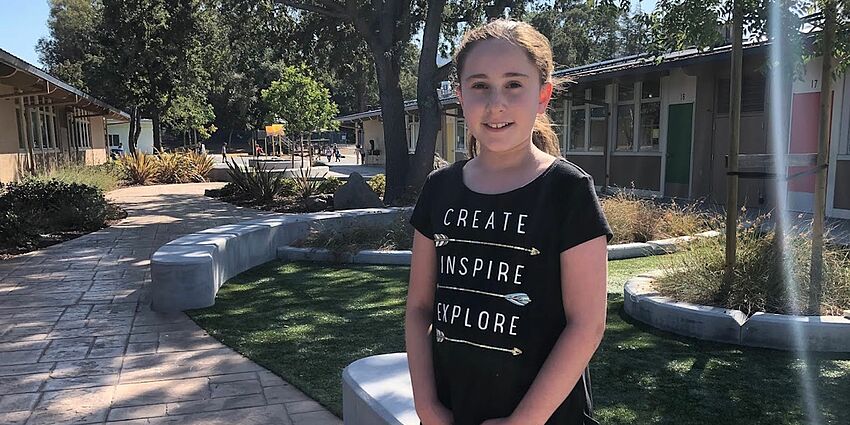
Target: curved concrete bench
[(377, 391), (615, 252), (765, 330), (187, 272)]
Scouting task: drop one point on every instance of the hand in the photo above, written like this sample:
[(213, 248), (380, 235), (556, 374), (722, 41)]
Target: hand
[(435, 414)]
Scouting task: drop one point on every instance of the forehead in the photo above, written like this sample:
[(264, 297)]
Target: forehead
[(496, 57)]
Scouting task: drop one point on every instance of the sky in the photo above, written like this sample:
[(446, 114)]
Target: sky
[(20, 31)]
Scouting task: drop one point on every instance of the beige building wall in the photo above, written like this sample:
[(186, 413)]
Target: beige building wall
[(374, 130), (8, 138)]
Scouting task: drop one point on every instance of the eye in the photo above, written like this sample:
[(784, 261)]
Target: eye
[(479, 85), (514, 85)]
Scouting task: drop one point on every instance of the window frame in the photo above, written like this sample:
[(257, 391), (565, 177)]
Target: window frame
[(587, 108), (460, 134), (636, 103)]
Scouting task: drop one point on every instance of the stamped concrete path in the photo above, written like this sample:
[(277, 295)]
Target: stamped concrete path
[(79, 343)]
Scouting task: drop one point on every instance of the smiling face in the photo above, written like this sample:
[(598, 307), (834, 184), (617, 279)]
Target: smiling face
[(501, 95)]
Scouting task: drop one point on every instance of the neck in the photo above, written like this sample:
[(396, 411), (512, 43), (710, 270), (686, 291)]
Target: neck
[(521, 156)]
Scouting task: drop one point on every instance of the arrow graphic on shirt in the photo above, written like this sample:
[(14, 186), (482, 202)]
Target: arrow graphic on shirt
[(441, 337), (441, 240), (517, 298)]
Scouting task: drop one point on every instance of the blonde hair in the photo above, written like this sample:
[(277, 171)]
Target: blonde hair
[(539, 52)]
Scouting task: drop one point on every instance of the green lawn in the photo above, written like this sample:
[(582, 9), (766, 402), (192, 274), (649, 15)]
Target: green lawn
[(307, 321)]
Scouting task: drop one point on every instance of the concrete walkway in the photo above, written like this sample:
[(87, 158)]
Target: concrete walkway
[(79, 344)]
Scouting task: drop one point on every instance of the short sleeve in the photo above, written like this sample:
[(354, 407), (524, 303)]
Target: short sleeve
[(421, 217), (583, 219)]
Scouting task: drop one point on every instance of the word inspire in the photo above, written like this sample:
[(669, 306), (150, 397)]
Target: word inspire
[(483, 320), (454, 265)]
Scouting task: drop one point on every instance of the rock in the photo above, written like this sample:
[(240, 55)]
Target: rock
[(355, 193)]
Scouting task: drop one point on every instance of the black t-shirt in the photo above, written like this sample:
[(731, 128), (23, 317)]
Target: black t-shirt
[(498, 309)]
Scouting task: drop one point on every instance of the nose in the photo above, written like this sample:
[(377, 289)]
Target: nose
[(496, 100)]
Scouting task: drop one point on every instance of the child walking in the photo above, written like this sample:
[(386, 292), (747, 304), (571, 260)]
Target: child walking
[(507, 297)]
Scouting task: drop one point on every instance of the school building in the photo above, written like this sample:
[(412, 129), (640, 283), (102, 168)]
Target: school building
[(663, 129), (45, 122)]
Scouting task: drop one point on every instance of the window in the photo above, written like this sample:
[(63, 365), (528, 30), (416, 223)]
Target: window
[(752, 95), (460, 134), (588, 120), (114, 141), (79, 128), (42, 122), (558, 123), (641, 116)]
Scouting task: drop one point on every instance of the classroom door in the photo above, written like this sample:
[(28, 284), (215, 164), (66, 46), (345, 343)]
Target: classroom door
[(677, 179)]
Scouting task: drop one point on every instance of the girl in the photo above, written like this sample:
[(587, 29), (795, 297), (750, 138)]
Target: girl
[(507, 297)]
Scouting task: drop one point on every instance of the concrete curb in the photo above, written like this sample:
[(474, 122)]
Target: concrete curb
[(615, 252), (187, 272), (377, 390), (764, 330)]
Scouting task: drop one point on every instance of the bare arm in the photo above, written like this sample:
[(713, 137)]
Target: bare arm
[(420, 303), (584, 275)]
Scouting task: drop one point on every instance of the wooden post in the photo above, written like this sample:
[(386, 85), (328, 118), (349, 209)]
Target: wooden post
[(734, 143), (816, 271)]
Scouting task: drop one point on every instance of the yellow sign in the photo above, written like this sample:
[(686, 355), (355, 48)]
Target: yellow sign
[(274, 130)]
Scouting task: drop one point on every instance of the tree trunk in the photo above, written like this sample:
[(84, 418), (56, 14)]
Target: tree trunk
[(387, 66), (816, 271), (427, 98), (734, 142), (131, 135), (137, 128), (157, 132)]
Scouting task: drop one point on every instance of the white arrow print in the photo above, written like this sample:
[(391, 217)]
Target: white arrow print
[(441, 239), (518, 298), (441, 337)]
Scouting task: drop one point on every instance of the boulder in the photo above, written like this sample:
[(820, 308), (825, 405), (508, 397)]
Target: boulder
[(356, 193)]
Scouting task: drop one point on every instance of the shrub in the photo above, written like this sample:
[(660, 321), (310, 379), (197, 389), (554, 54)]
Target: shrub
[(172, 168), (106, 176), (139, 168), (305, 186), (758, 285), (398, 235), (200, 166), (35, 207), (330, 185), (633, 219), (261, 184), (378, 183)]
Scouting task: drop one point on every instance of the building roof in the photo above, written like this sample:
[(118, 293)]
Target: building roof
[(28, 79), (604, 69)]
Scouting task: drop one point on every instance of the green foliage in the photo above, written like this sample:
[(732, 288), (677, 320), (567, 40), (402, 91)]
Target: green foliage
[(378, 183), (300, 102), (330, 185), (34, 207), (260, 184), (305, 185), (106, 176), (759, 283), (200, 166)]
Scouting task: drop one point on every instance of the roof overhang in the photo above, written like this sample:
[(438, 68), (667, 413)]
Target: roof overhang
[(29, 80)]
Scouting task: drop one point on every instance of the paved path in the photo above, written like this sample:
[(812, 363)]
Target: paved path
[(79, 344)]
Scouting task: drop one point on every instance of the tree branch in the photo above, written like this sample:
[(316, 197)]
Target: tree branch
[(336, 12)]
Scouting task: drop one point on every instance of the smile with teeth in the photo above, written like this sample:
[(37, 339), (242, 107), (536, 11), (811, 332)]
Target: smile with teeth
[(497, 124)]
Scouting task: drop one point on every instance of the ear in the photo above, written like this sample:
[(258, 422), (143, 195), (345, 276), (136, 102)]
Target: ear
[(459, 94), (545, 97)]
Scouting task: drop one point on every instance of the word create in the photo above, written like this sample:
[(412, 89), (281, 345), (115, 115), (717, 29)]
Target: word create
[(477, 219)]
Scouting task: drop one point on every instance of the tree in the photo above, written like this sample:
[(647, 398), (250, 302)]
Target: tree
[(152, 54), (72, 45), (300, 102)]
